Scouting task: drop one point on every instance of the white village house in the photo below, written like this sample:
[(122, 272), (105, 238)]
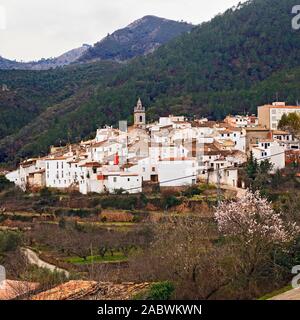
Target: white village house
[(171, 152)]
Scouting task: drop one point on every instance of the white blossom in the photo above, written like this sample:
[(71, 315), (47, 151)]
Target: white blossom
[(252, 218)]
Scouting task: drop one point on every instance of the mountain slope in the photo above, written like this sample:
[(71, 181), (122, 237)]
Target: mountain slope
[(45, 64), (139, 38), (30, 93), (238, 60)]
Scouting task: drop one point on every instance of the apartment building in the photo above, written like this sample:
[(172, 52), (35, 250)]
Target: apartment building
[(270, 115)]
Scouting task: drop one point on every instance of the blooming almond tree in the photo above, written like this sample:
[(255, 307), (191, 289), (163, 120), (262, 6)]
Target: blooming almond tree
[(252, 218), (257, 235)]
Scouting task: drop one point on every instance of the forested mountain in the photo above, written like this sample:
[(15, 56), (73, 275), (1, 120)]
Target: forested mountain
[(28, 94), (242, 58), (139, 38)]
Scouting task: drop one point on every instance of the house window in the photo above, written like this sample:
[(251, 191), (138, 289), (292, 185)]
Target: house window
[(115, 179), (153, 169), (128, 179)]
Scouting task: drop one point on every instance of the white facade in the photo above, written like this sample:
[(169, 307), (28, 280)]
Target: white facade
[(20, 176), (103, 150), (238, 137), (227, 176), (271, 150), (63, 172), (177, 172), (145, 168)]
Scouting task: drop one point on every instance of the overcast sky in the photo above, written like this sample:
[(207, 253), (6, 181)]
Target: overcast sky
[(48, 28)]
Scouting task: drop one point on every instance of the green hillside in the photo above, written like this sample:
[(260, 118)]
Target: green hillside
[(240, 59)]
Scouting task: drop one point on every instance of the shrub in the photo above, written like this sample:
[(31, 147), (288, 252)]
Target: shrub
[(9, 241), (170, 201), (158, 291), (62, 223), (44, 277), (124, 202), (191, 191), (4, 183)]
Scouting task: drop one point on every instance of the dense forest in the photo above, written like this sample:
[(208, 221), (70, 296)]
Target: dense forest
[(243, 58)]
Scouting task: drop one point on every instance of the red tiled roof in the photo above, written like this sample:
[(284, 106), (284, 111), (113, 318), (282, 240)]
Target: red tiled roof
[(91, 165), (80, 290), (11, 289)]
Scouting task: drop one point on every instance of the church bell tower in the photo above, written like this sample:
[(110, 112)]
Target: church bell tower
[(139, 115)]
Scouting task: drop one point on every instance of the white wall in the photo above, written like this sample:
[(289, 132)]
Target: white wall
[(271, 151), (175, 170)]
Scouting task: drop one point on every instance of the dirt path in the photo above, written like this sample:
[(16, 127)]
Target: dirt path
[(34, 259)]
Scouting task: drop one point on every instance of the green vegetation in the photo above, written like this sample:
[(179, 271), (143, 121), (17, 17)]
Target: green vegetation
[(257, 174), (107, 258), (291, 123), (46, 278), (161, 291), (44, 96), (157, 291), (9, 241), (276, 293), (4, 183), (239, 60)]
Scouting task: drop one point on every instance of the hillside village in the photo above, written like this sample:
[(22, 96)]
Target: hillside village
[(160, 163), (173, 152)]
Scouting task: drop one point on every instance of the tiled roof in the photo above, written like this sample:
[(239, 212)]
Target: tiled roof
[(11, 289), (91, 165), (178, 159), (279, 107), (90, 290), (57, 158)]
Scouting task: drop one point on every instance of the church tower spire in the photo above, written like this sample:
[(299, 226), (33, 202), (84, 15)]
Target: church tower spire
[(139, 115)]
